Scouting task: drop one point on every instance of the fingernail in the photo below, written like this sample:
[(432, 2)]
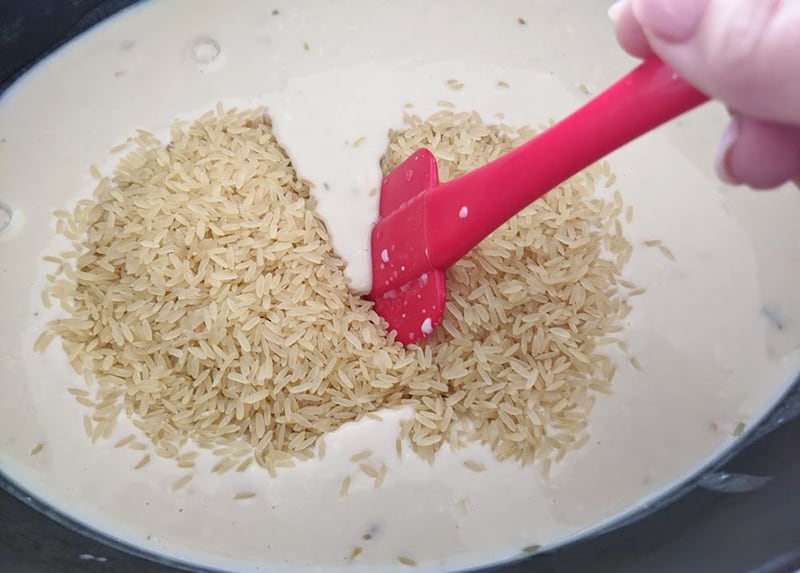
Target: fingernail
[(616, 9), (670, 20), (726, 143)]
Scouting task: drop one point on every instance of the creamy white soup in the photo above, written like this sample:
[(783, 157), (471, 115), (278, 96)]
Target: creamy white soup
[(717, 331)]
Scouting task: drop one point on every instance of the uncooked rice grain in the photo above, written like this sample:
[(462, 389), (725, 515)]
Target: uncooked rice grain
[(345, 486), (203, 297), (454, 84), (360, 456), (87, 425), (181, 482), (666, 252), (474, 466), (369, 470), (381, 475)]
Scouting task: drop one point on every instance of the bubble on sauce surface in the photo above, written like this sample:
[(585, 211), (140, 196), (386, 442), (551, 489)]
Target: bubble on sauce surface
[(205, 50)]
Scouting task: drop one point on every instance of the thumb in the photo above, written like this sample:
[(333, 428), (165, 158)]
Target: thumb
[(745, 53)]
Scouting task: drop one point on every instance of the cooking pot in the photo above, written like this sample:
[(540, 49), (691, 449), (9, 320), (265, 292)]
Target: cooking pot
[(740, 513)]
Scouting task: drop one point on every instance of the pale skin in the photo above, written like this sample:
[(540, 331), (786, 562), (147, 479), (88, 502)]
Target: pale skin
[(744, 53)]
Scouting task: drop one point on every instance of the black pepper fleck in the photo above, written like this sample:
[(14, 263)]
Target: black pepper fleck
[(521, 21), (275, 12), (773, 318)]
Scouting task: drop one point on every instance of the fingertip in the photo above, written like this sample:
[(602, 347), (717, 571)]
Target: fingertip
[(743, 52), (760, 154), (628, 31), (670, 20), (722, 162), (616, 9)]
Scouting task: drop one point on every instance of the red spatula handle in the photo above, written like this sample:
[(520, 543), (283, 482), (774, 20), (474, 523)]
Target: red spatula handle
[(462, 212)]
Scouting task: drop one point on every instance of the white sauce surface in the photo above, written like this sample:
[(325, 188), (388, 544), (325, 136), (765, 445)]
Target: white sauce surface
[(717, 332)]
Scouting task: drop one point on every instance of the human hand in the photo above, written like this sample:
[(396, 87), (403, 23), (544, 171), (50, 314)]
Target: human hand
[(745, 53)]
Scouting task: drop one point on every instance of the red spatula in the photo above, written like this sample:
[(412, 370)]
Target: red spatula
[(425, 227)]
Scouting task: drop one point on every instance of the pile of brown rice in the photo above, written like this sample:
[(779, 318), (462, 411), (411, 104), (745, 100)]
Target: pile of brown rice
[(204, 301)]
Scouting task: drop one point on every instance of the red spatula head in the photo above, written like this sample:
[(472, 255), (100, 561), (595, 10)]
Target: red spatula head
[(408, 291)]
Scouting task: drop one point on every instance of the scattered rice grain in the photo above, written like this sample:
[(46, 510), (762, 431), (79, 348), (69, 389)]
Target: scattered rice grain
[(666, 252), (124, 441), (345, 487), (361, 456), (368, 470), (182, 482), (381, 475), (474, 466)]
